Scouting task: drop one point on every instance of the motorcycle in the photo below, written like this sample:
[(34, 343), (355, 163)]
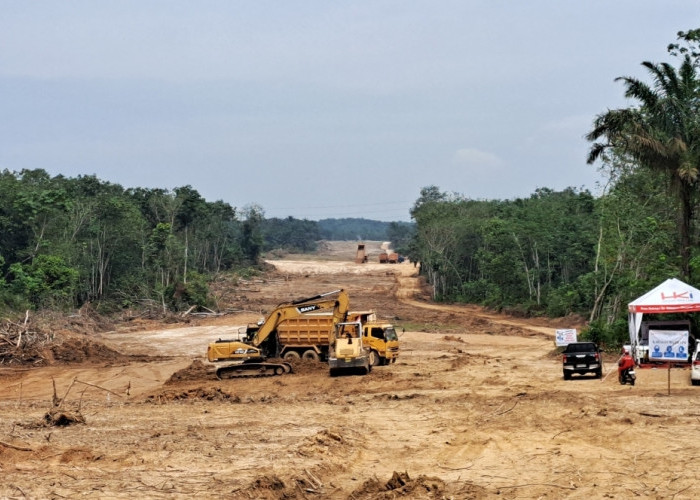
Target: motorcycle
[(628, 377)]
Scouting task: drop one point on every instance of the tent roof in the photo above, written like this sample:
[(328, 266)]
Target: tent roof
[(670, 296)]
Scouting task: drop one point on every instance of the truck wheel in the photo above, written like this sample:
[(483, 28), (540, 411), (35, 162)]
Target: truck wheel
[(567, 375), (599, 373), (374, 358), (291, 356), (311, 355)]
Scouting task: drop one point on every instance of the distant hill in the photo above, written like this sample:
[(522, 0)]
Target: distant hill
[(356, 229)]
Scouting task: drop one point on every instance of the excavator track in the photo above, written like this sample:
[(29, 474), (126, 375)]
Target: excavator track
[(241, 370)]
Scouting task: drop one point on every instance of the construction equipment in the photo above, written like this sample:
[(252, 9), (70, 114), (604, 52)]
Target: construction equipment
[(361, 256), (381, 339), (262, 340), (390, 258), (347, 352), (308, 337)]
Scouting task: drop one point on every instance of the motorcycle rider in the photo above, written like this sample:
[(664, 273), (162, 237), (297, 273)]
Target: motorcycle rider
[(624, 365)]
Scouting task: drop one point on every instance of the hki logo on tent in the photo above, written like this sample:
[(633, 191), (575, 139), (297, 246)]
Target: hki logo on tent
[(677, 296)]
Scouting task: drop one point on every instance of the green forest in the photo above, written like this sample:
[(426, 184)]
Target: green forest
[(67, 242)]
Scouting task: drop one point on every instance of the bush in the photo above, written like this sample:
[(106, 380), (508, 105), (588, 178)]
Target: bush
[(46, 282), (195, 292), (480, 292), (562, 301), (607, 336)]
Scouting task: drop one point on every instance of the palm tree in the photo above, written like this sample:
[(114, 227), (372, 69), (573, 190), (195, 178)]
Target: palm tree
[(661, 133)]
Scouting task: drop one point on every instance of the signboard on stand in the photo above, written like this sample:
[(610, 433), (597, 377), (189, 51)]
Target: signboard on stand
[(565, 337), (668, 345)]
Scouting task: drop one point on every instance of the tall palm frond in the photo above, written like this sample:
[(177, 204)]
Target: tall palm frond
[(661, 132)]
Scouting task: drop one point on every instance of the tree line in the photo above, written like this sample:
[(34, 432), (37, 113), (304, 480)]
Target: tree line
[(66, 242)]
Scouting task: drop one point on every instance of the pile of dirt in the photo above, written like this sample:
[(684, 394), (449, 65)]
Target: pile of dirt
[(308, 366), (401, 484), (324, 443), (196, 371), (75, 349), (197, 393), (37, 349), (270, 487), (49, 337)]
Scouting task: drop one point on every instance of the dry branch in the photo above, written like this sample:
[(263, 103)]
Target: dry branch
[(19, 343), (100, 387), (539, 484), (15, 447)]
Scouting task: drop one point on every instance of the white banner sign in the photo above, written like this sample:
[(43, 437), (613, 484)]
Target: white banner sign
[(668, 345), (565, 336)]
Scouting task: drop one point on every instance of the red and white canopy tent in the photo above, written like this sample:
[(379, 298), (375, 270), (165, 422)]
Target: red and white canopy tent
[(671, 296)]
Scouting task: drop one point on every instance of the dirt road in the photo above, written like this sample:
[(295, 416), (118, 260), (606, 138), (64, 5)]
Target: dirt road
[(475, 407)]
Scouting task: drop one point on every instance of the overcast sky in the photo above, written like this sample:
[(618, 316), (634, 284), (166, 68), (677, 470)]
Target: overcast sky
[(318, 109)]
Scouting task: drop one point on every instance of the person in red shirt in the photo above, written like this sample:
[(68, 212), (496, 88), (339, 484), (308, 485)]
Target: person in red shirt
[(626, 362)]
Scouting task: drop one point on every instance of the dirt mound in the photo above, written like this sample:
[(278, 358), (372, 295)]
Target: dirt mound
[(271, 487), (48, 338), (328, 442), (197, 393), (80, 350), (401, 485), (267, 484), (196, 371), (307, 366), (60, 348)]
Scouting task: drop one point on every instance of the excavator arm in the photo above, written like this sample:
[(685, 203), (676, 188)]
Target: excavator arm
[(337, 300), (251, 356)]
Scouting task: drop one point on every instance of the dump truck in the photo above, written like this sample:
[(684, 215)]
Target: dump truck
[(360, 256), (253, 354), (388, 257), (382, 341), (308, 337), (347, 352)]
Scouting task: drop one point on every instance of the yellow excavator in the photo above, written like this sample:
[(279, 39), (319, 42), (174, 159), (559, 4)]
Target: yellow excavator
[(261, 343)]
